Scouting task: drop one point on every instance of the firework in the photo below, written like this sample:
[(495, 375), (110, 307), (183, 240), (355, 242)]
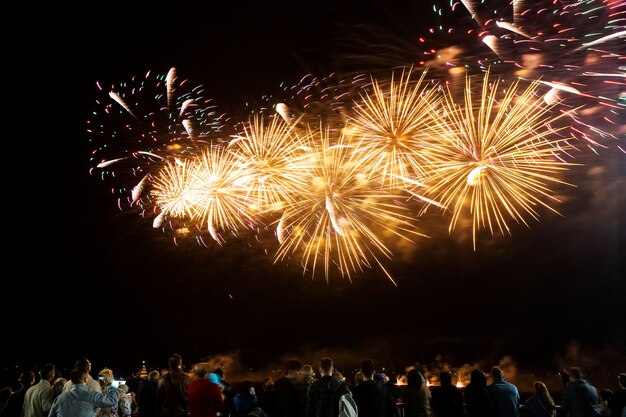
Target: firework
[(339, 195), (339, 217), (576, 48), (395, 127), (211, 190), (269, 151), (147, 122), (502, 156)]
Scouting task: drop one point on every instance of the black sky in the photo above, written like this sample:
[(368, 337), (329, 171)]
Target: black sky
[(105, 285)]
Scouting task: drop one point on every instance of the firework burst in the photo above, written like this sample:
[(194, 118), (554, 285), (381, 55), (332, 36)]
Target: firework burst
[(269, 151), (501, 156), (395, 127), (212, 190), (339, 217)]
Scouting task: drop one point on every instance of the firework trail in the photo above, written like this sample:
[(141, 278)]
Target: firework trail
[(143, 124), (313, 99), (577, 49), (502, 155)]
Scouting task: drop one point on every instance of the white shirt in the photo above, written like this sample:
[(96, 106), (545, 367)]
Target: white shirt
[(38, 400), (92, 385)]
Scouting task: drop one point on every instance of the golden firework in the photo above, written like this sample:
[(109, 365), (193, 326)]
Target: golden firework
[(498, 157), (339, 216), (211, 190), (269, 152), (395, 126)]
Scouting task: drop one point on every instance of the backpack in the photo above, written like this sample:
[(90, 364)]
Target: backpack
[(347, 406)]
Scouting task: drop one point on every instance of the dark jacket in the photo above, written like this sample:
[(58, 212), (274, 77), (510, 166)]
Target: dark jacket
[(617, 402), (13, 407), (244, 404), (447, 401), (373, 399), (147, 400), (172, 394), (477, 398), (580, 399), (323, 397), (287, 398)]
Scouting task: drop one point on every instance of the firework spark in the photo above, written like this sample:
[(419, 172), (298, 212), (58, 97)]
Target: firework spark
[(171, 113), (119, 100), (566, 43)]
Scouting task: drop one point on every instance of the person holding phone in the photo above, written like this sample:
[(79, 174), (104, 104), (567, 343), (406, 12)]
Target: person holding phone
[(79, 401), (107, 375)]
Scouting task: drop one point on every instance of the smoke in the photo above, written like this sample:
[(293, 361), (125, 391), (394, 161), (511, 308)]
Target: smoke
[(348, 363), (600, 365), (346, 360)]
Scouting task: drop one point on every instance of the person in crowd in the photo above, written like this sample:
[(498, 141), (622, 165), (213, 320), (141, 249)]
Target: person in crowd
[(92, 384), (416, 396), (172, 389), (228, 392), (605, 396), (126, 401), (324, 394), (565, 378), (246, 400), (307, 374), (339, 375), (617, 402), (477, 400), (288, 397), (14, 405), (267, 397), (5, 394), (447, 398), (113, 411), (371, 396), (391, 382), (358, 378), (541, 403), (38, 398), (382, 377), (79, 401), (204, 397), (57, 388), (305, 377), (580, 398), (147, 403), (504, 395)]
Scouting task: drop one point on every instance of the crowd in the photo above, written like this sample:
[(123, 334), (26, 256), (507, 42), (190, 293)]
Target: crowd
[(205, 392)]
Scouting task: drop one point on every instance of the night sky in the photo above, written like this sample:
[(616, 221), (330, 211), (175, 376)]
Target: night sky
[(102, 283)]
